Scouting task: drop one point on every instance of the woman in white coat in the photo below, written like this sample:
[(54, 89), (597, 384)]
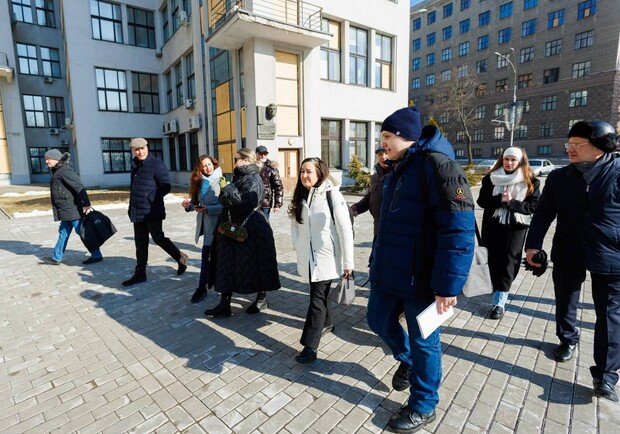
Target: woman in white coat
[(204, 189), (324, 247)]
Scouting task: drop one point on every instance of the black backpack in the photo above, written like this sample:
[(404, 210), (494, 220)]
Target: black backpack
[(331, 210)]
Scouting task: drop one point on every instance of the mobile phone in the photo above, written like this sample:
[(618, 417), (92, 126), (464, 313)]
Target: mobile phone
[(199, 207)]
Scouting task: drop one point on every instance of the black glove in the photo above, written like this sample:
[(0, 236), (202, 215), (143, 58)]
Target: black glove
[(538, 258)]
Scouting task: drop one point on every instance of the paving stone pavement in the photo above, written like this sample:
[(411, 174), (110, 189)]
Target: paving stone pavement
[(81, 353)]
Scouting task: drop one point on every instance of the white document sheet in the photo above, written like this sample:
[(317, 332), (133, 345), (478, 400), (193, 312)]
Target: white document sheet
[(430, 319)]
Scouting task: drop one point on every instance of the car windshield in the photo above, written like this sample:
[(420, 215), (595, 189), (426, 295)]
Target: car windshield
[(535, 162), (487, 163)]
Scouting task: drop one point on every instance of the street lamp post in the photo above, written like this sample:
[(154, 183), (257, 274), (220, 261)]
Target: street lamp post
[(511, 124)]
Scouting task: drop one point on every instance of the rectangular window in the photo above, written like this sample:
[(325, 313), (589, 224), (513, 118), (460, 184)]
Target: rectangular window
[(117, 155), (358, 143), (502, 62), (55, 112), (106, 21), (586, 9), (521, 132), (37, 160), (416, 24), (525, 80), (430, 39), (464, 48), (430, 59), (555, 19), (481, 89), (581, 69), (546, 129), (431, 17), (459, 153), (50, 61), (480, 112), (446, 54), (499, 109), (111, 90), (501, 85), (447, 10), (415, 64), (176, 15), (526, 54), (415, 44), (528, 27), (446, 75), (191, 78), (483, 42), (182, 152), (27, 59), (430, 79), (464, 26), (45, 13), (573, 122), (529, 4), (330, 51), (503, 36), (331, 143), (496, 152), (526, 105), (477, 152), (462, 70), (482, 66), (484, 19), (465, 4), (140, 27), (383, 62), (478, 135), (145, 93), (193, 148), (22, 11), (168, 80), (553, 48), (358, 57), (415, 83), (165, 24), (544, 150), (33, 108), (578, 99), (172, 151), (447, 32), (460, 136), (548, 103), (584, 39), (551, 75), (505, 10), (498, 133), (178, 76)]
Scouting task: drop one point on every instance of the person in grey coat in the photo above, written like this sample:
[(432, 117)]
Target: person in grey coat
[(69, 204)]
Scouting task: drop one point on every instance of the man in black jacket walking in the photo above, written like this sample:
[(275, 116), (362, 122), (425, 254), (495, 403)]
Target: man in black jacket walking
[(69, 203), (274, 189), (150, 182)]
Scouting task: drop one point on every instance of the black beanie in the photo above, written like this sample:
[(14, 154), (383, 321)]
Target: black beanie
[(404, 123), (599, 133)]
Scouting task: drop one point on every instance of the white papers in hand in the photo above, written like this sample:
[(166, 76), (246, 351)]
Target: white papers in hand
[(430, 319)]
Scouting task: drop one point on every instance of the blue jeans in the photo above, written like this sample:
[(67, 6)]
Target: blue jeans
[(64, 230), (423, 356), (266, 212)]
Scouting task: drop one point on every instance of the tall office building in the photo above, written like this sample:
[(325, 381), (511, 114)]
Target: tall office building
[(194, 77), (561, 58)]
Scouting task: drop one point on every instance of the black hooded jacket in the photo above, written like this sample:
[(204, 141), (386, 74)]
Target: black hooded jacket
[(67, 192)]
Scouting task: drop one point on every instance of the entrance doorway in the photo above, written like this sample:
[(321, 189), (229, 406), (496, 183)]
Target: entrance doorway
[(289, 160)]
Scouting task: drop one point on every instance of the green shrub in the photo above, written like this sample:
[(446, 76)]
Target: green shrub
[(359, 174), (472, 177)]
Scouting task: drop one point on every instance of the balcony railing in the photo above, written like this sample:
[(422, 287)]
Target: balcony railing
[(5, 70), (293, 12)]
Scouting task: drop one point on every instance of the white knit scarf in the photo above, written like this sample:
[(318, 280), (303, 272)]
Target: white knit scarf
[(514, 183)]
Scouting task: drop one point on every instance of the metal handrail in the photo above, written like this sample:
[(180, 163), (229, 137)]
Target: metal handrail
[(295, 12)]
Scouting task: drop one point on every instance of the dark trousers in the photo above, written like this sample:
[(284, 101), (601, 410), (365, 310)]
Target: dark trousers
[(567, 288), (204, 267), (141, 231), (606, 295), (319, 314)]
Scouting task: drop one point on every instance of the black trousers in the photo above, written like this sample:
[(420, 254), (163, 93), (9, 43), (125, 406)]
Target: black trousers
[(141, 231), (567, 288), (319, 314)]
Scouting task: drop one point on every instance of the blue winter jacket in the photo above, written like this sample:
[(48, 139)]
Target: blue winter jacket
[(425, 241), (586, 234), (150, 182)]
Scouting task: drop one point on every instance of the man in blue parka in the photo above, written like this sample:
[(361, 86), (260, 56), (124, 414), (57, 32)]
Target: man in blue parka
[(585, 198), (423, 251)]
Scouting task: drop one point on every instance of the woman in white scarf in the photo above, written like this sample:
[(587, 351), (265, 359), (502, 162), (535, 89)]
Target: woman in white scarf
[(509, 195)]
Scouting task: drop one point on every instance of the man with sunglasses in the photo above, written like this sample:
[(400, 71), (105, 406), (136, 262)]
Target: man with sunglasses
[(584, 197)]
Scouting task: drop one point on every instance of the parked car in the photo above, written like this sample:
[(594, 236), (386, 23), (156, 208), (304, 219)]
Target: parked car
[(541, 167), (484, 166)]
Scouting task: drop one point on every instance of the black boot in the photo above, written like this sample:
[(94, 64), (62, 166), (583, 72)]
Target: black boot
[(199, 294), (222, 310), (136, 278), (259, 304)]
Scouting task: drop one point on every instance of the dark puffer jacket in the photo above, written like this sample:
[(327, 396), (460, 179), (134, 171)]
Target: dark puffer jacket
[(68, 194), (150, 182), (372, 199), (273, 185)]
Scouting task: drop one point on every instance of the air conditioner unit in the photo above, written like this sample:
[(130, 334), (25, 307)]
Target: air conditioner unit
[(194, 123), (64, 142), (183, 18), (48, 80), (173, 127), (158, 52), (189, 104), (54, 131), (68, 123)]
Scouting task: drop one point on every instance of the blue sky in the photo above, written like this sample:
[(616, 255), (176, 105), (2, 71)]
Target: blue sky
[(414, 2)]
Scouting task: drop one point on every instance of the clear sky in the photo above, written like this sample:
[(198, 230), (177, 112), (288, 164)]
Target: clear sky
[(414, 2)]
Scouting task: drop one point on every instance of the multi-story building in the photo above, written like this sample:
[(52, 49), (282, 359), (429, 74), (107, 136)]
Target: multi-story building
[(196, 77), (561, 58)]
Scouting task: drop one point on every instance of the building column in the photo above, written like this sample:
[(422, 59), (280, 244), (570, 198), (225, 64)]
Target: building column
[(5, 160)]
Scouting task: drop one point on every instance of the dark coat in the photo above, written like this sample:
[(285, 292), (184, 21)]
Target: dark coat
[(425, 242), (372, 199), (251, 266), (586, 234), (273, 186), (67, 192), (504, 242), (150, 182)]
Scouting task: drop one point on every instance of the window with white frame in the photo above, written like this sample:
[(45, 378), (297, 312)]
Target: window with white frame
[(140, 27), (498, 133), (358, 141), (27, 59), (462, 70), (446, 75), (573, 122), (584, 39), (45, 13), (430, 79), (581, 69), (50, 62), (446, 54), (33, 109), (106, 21), (111, 89), (464, 48), (578, 99), (330, 51), (358, 56), (383, 62), (502, 62), (55, 111), (331, 143)]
